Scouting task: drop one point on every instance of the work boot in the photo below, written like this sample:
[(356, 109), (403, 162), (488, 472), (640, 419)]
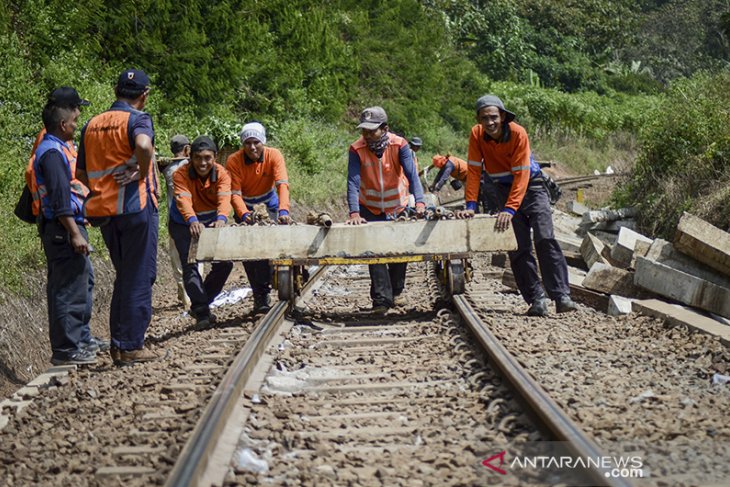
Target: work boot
[(182, 296), (399, 300), (379, 309), (131, 357), (261, 304), (115, 354), (79, 357), (565, 305), (539, 307)]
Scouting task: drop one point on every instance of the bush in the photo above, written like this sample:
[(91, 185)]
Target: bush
[(684, 160)]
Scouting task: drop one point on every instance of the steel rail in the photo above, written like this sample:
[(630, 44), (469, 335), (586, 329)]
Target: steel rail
[(193, 460), (547, 410)]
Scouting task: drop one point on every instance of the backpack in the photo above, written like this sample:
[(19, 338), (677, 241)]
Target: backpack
[(24, 207)]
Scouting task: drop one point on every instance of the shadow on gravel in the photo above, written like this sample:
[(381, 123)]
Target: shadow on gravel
[(10, 375), (232, 323)]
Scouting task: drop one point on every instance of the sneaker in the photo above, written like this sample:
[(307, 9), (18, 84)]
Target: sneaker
[(399, 300), (379, 309), (565, 305), (131, 357), (81, 357), (261, 304), (97, 345), (539, 307)]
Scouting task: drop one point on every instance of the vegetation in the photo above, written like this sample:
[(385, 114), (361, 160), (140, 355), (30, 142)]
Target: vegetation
[(582, 77), (684, 162)]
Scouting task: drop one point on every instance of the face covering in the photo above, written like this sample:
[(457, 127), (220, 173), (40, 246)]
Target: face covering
[(378, 147)]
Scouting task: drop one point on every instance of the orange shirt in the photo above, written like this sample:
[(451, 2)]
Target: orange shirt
[(259, 181), (198, 199), (505, 162)]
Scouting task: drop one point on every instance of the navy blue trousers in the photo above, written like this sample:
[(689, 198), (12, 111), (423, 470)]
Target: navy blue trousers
[(259, 272), (386, 280), (201, 292), (69, 290), (132, 243), (534, 215)]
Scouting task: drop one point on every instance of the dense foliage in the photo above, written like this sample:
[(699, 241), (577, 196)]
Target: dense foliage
[(684, 164)]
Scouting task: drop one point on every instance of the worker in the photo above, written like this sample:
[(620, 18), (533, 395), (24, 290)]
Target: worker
[(202, 199), (180, 148), (448, 166), (63, 234), (116, 159), (258, 176), (502, 148), (63, 97), (415, 144), (379, 170)]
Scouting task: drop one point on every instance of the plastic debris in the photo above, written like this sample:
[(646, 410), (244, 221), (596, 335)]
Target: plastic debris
[(647, 394), (719, 379), (246, 460)]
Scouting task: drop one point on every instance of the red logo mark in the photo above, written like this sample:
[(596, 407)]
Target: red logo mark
[(500, 455)]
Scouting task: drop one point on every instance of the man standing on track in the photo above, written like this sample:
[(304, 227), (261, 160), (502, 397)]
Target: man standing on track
[(63, 233), (202, 199), (502, 148), (380, 171), (258, 176), (116, 158)]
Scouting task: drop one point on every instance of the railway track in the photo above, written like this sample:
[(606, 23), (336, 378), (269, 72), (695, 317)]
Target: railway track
[(402, 400), (331, 395)]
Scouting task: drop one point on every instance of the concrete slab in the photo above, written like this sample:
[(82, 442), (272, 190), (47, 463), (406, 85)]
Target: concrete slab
[(675, 314), (610, 280), (618, 305), (591, 249), (370, 240), (704, 242), (45, 378), (623, 250), (681, 286), (578, 208), (664, 252), (597, 216)]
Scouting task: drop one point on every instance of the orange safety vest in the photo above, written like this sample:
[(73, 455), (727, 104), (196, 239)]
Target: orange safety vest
[(461, 168), (70, 152), (383, 186), (107, 146)]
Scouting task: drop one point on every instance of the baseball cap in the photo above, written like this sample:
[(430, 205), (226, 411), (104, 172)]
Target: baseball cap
[(178, 143), (494, 101), (66, 97), (134, 80), (372, 118), (203, 142)]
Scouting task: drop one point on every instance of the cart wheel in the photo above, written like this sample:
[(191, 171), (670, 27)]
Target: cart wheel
[(456, 282), (285, 283)]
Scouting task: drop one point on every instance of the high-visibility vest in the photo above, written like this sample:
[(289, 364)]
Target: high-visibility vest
[(108, 144), (79, 192), (69, 150), (461, 168), (382, 186)]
